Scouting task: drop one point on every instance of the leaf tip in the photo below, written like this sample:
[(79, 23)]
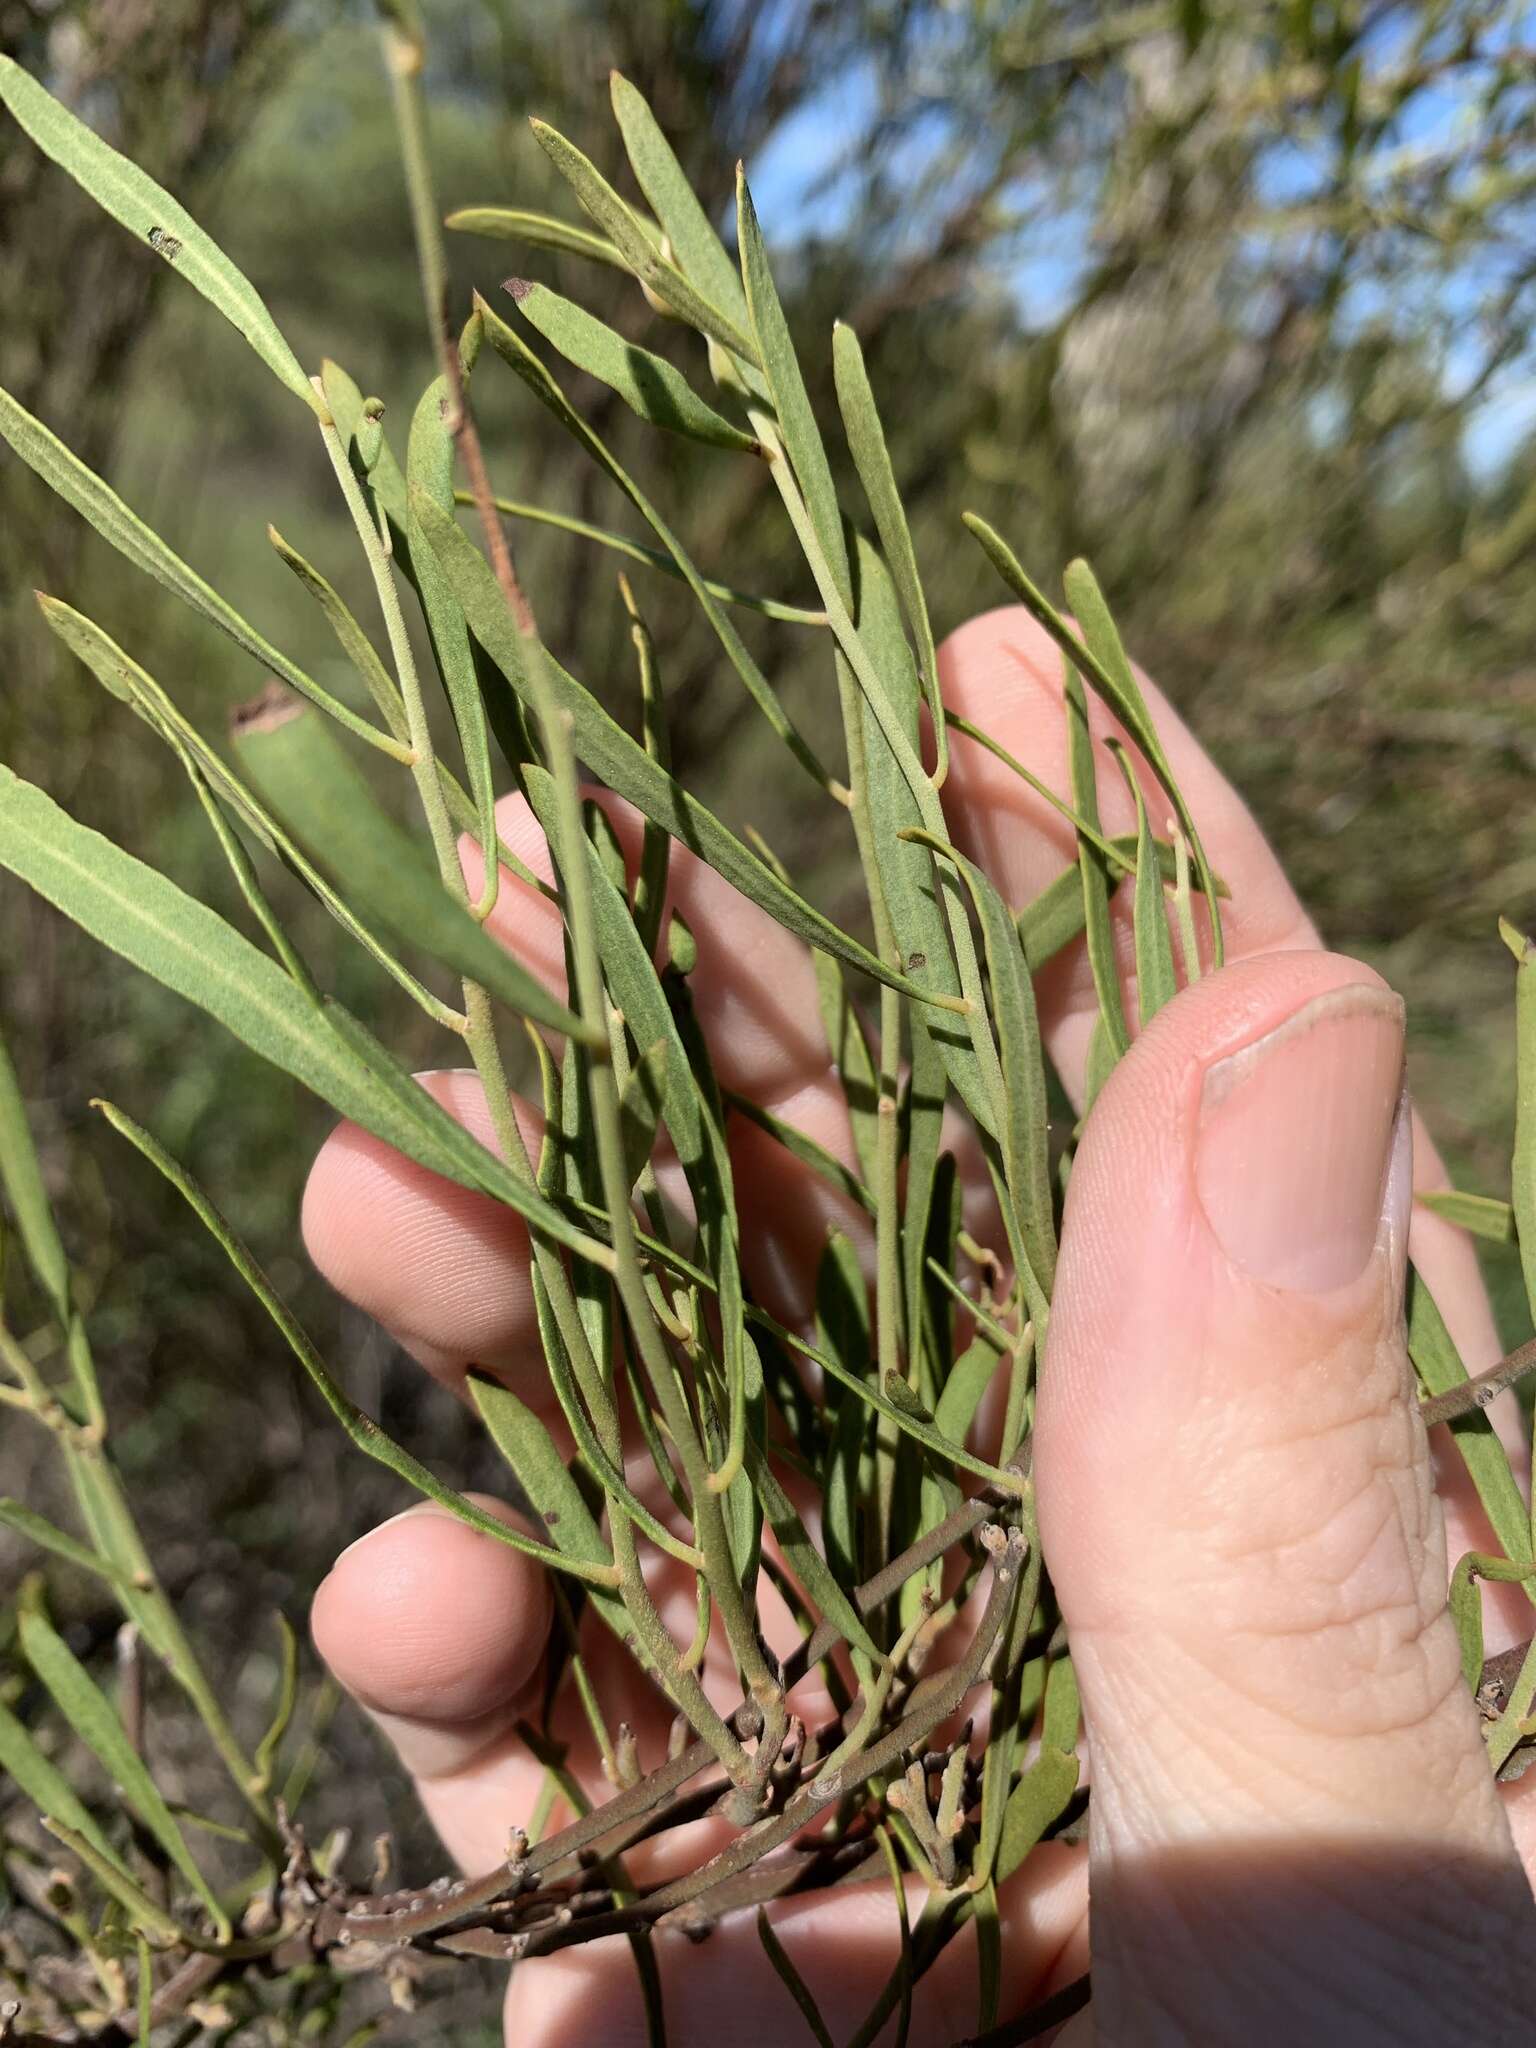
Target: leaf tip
[(519, 287)]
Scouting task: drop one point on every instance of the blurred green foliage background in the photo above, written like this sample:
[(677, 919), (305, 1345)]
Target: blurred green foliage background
[(1233, 296)]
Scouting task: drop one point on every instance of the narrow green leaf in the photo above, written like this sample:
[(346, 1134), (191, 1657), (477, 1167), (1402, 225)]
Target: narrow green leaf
[(872, 459), (14, 1514), (1024, 1129), (792, 1980), (101, 507), (922, 899), (696, 248), (652, 558), (791, 401), (610, 752), (149, 212), (1479, 1214), (21, 1175), (1039, 1799), (635, 244), (1129, 709), (361, 1428), (851, 1056), (322, 798), (122, 675), (1156, 981), (804, 1559), (180, 942), (640, 1107), (384, 478), (1522, 1171), (355, 644), (1439, 1367), (843, 1330), (429, 461), (541, 1472), (282, 1711), (648, 384), (539, 230), (924, 1119), (970, 1376), (1098, 925), (94, 1719), (650, 893), (1062, 1713), (46, 1786), (519, 358), (824, 1164)]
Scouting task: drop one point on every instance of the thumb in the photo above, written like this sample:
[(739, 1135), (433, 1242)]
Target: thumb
[(1295, 1833)]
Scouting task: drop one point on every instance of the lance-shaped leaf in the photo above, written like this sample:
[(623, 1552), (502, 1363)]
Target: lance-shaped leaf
[(1130, 709), (170, 935), (148, 211), (95, 1720), (653, 558), (1522, 1172), (648, 384), (45, 1784), (872, 459), (804, 1559), (1439, 1366), (928, 928), (1156, 981), (636, 244), (14, 1514), (1039, 1799), (1024, 1128), (791, 401), (624, 764), (517, 355), (640, 1107), (355, 644), (1098, 924), (322, 798), (843, 1331), (98, 503), (539, 230), (21, 1176), (697, 249), (361, 1428), (1481, 1215), (429, 460), (211, 777), (552, 1493)]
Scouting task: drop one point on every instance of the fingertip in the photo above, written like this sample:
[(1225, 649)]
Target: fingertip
[(427, 1620)]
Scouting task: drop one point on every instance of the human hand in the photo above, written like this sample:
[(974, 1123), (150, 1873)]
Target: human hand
[(1294, 1834)]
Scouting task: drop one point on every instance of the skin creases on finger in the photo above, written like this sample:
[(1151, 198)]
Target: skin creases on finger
[(445, 1270)]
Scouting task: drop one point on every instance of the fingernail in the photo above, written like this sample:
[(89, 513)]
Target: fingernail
[(1295, 1141)]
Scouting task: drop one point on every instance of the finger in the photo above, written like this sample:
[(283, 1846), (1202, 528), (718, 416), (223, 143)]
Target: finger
[(755, 998), (844, 1945), (1238, 1512), (438, 1631), (444, 1269)]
